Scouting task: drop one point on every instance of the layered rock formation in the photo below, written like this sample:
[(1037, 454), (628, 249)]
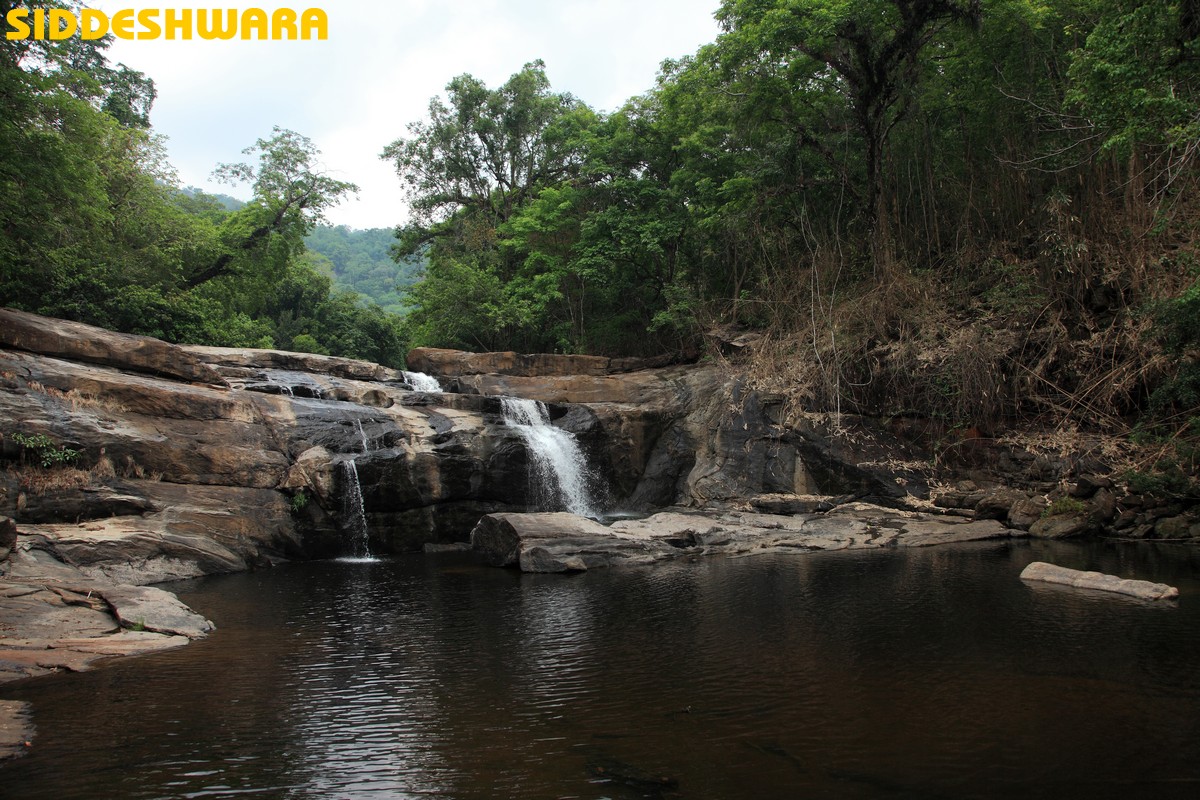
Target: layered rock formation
[(559, 542), (131, 461)]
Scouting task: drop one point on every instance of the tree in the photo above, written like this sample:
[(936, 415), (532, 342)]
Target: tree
[(1137, 80), (474, 162), (869, 50), (291, 196), (471, 170)]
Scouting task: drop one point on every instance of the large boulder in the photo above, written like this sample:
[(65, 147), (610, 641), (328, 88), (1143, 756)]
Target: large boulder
[(559, 542)]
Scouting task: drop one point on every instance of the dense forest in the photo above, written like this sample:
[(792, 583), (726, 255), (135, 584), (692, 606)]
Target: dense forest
[(976, 210)]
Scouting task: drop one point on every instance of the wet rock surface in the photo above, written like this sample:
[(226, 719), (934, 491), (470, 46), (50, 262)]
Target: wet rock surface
[(16, 728)]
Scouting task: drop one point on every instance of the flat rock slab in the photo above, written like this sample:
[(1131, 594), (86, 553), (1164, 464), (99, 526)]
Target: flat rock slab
[(562, 542), (1063, 576), (39, 612), (150, 609), (68, 622)]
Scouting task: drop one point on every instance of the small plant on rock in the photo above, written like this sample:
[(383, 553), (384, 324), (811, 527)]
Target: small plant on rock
[(1064, 505), (44, 450)]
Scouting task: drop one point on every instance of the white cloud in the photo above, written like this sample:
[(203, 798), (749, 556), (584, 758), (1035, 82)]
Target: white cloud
[(384, 59)]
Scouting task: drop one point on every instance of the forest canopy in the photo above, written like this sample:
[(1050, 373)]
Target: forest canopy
[(976, 209)]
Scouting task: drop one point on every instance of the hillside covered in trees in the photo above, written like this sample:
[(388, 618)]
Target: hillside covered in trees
[(975, 211), (361, 261)]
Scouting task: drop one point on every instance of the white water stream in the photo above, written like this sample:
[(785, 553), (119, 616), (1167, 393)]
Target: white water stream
[(422, 382), (354, 515), (558, 472)]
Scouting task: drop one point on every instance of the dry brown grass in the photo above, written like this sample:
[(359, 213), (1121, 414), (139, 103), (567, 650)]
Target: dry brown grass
[(77, 399), (39, 480)]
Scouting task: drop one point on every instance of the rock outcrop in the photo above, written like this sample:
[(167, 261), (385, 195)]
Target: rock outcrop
[(1041, 572), (560, 542), (130, 461)]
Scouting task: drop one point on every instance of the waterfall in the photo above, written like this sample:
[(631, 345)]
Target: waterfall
[(422, 382), (366, 444), (354, 514), (557, 469)]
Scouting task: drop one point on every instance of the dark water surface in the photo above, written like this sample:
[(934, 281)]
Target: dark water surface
[(889, 674)]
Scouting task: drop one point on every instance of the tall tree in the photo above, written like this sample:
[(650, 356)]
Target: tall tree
[(291, 195), (870, 50), (470, 170), (477, 159)]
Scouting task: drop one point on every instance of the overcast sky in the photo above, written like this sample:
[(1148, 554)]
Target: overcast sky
[(384, 59)]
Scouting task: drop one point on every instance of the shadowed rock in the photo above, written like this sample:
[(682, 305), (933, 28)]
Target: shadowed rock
[(16, 728)]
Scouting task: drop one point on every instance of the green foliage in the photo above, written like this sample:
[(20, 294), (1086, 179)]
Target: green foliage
[(44, 450), (1137, 76), (360, 261), (299, 501), (1167, 479), (1065, 505), (96, 230)]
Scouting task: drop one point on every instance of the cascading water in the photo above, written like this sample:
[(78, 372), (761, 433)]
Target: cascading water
[(366, 443), (422, 382), (354, 510), (354, 514), (557, 469)]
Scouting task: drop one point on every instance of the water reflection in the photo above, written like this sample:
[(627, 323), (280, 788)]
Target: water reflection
[(932, 673)]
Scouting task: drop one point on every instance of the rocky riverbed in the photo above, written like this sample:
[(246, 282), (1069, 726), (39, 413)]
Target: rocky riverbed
[(130, 461)]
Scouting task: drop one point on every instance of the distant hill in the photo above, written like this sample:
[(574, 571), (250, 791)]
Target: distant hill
[(227, 202), (360, 261)]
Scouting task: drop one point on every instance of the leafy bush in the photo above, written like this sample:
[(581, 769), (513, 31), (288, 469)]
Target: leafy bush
[(44, 450), (1064, 505)]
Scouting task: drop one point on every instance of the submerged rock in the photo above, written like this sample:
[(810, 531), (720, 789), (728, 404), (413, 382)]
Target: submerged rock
[(16, 728)]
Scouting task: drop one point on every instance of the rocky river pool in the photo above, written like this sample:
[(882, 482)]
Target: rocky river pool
[(912, 673)]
